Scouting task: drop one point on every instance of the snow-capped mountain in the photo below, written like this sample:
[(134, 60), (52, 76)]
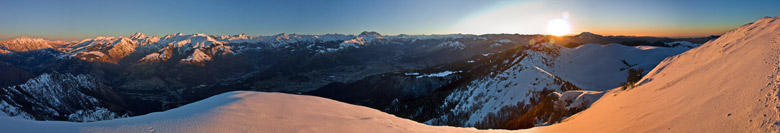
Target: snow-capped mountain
[(363, 39), (23, 44), (191, 47), (197, 58), (104, 49), (114, 49), (726, 85)]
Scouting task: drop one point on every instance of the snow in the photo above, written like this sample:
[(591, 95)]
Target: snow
[(580, 97), (153, 57), (646, 47), (599, 67), (242, 38), (96, 114), (489, 95), (96, 53), (726, 85), (591, 67), (138, 35), (453, 44), (356, 42), (7, 110), (495, 45), (197, 56), (22, 44), (504, 41), (55, 95), (411, 74), (118, 47), (193, 41), (683, 44), (244, 111), (353, 42), (440, 74)]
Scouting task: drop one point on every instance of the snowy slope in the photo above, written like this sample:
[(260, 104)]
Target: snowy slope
[(546, 69), (196, 58), (245, 112), (726, 85), (600, 67)]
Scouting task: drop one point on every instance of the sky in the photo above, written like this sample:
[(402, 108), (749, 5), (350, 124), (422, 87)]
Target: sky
[(80, 19)]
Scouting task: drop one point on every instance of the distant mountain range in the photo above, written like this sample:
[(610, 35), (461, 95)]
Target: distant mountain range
[(427, 78)]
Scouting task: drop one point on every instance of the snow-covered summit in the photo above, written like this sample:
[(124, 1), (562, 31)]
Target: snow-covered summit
[(198, 40), (138, 35)]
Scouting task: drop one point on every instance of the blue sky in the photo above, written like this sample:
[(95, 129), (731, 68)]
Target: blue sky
[(75, 20)]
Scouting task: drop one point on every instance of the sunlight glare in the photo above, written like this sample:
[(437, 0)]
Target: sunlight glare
[(559, 26)]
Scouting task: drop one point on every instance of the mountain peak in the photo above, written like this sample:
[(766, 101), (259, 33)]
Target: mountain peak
[(588, 35), (138, 35), (366, 33), (370, 35), (28, 39), (24, 44)]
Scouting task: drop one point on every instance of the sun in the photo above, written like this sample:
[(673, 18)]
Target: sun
[(559, 26)]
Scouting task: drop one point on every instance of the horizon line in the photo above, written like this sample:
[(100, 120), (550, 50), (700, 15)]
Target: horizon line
[(158, 35)]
